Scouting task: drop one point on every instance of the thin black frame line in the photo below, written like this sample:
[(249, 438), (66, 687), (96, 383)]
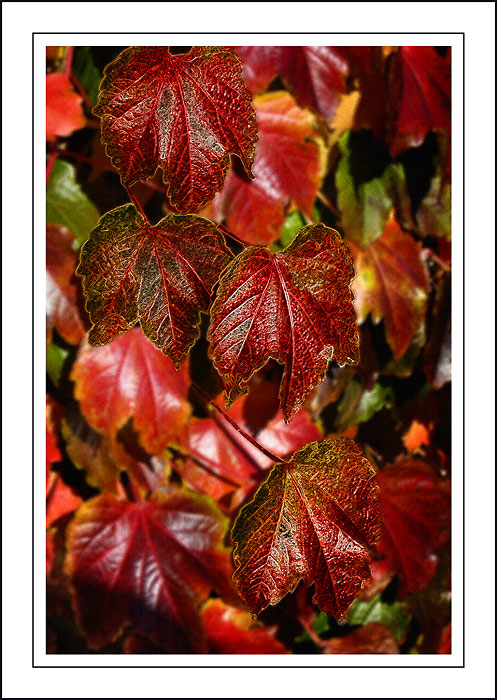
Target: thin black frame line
[(32, 348), (463, 343), (256, 33)]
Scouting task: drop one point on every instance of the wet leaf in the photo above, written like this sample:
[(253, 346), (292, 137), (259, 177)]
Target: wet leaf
[(185, 113), (67, 204), (232, 631), (64, 110), (61, 311), (288, 167), (314, 518), (130, 378), (149, 564), (161, 276), (294, 306), (391, 283), (416, 508)]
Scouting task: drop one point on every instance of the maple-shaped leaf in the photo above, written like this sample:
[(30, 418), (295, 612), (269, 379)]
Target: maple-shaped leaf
[(373, 638), (62, 311), (315, 75), (185, 113), (223, 464), (289, 165), (314, 518), (416, 508), (232, 631), (294, 306), (161, 276), (149, 563), (391, 283), (64, 110), (421, 95), (130, 378)]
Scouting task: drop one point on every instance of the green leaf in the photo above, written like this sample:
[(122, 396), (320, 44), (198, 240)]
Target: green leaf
[(85, 70), (55, 360), (67, 204), (366, 206), (395, 616), (293, 223), (358, 405)]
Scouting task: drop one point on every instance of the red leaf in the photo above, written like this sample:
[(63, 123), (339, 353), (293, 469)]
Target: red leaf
[(416, 508), (61, 499), (150, 564), (288, 168), (232, 631), (222, 463), (391, 283), (314, 518), (373, 638), (185, 113), (294, 306), (130, 378), (64, 110), (445, 646), (422, 90), (159, 275), (52, 451), (62, 310), (314, 74)]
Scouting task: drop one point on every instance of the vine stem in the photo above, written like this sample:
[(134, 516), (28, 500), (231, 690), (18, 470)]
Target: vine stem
[(234, 424)]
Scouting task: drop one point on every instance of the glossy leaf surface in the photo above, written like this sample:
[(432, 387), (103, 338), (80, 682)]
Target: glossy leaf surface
[(161, 276), (288, 167), (130, 378), (64, 110), (232, 631), (422, 91), (185, 113), (294, 306), (391, 283), (416, 507), (314, 518), (61, 309), (149, 563), (315, 75)]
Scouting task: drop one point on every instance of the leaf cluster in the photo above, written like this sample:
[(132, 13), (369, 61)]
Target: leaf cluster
[(248, 350)]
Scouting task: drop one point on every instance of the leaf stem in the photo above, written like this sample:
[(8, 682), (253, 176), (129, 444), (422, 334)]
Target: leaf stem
[(234, 424), (137, 204), (327, 203), (320, 643), (232, 235), (51, 161)]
